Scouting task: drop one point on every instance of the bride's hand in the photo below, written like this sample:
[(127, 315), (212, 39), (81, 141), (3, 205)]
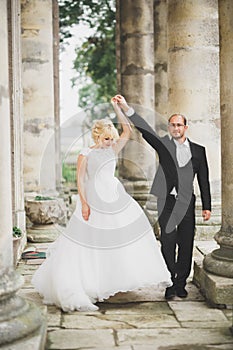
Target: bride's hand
[(85, 211), (121, 102), (115, 105)]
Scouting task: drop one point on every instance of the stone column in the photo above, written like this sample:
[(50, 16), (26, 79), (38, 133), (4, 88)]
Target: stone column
[(16, 103), (160, 89), (118, 45), (160, 54), (220, 261), (19, 319), (214, 274), (193, 79), (5, 149), (136, 30), (38, 94), (56, 39)]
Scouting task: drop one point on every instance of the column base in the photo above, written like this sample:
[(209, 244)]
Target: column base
[(218, 265), (220, 261), (19, 319), (217, 289), (35, 341)]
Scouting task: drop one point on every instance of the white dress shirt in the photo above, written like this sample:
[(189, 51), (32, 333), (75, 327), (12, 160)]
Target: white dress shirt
[(183, 156), (183, 152)]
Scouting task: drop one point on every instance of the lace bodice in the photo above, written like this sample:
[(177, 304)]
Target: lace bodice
[(101, 163)]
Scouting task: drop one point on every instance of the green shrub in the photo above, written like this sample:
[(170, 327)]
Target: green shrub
[(17, 232), (69, 172)]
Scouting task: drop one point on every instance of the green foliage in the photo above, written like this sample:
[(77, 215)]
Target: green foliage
[(17, 232), (87, 94), (69, 172), (97, 14), (95, 59), (42, 198)]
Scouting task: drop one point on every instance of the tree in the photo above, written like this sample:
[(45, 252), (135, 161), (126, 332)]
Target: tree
[(95, 60)]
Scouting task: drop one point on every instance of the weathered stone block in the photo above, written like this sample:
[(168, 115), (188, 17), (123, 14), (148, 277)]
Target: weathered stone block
[(75, 339)]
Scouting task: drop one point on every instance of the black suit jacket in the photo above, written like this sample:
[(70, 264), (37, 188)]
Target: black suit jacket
[(169, 174)]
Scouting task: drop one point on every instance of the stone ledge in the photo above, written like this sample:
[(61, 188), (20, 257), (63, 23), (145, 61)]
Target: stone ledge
[(217, 290), (206, 232)]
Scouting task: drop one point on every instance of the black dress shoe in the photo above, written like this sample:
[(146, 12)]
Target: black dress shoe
[(181, 292), (170, 292)]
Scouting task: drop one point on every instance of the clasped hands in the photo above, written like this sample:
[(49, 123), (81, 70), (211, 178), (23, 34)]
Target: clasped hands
[(119, 101)]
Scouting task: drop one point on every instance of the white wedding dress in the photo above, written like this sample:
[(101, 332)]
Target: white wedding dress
[(114, 251)]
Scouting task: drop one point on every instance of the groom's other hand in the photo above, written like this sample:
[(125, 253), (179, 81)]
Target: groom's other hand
[(206, 214)]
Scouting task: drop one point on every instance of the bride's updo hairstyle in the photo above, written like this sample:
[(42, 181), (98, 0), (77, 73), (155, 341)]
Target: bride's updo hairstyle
[(103, 128)]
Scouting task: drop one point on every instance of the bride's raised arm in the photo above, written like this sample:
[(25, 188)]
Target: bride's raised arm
[(126, 127)]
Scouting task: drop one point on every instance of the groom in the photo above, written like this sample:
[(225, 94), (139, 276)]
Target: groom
[(180, 160)]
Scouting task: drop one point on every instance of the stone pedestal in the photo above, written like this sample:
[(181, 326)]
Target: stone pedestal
[(44, 214), (217, 289), (19, 319), (220, 261)]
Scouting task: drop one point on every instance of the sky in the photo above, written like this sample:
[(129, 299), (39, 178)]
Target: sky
[(68, 95)]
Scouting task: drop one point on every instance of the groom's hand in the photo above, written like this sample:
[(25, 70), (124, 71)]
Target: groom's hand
[(206, 214), (115, 103), (121, 101)]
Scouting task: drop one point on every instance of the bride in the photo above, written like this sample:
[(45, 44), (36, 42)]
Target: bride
[(108, 245)]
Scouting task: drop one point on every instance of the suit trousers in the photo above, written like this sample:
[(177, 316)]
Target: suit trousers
[(177, 224)]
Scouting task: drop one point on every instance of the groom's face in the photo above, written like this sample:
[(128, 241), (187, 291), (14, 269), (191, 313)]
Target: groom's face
[(176, 127)]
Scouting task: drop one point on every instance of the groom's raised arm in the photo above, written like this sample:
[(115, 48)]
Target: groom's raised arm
[(146, 130)]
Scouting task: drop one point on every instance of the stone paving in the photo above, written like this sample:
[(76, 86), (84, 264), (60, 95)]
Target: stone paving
[(140, 320)]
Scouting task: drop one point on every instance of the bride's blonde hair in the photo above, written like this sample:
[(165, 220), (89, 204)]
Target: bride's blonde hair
[(104, 128)]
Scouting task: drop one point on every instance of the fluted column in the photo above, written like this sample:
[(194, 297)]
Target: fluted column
[(16, 102), (38, 96), (161, 55), (18, 318), (56, 45), (220, 261), (193, 81), (136, 64), (5, 149)]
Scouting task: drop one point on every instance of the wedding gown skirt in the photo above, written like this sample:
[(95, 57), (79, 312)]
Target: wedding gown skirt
[(114, 251)]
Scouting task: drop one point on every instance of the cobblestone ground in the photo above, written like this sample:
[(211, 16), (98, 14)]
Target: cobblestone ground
[(140, 320)]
